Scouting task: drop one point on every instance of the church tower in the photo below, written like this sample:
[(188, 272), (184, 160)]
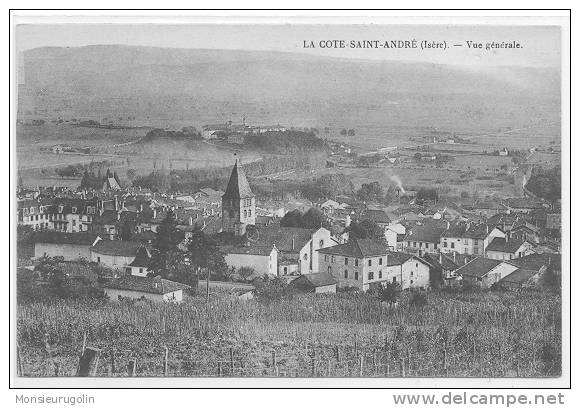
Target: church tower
[(238, 203)]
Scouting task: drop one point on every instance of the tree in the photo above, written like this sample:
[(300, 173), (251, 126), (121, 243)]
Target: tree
[(351, 132), (165, 245), (204, 255), (389, 293), (371, 192), (418, 300), (245, 272), (131, 173), (366, 229), (343, 132), (270, 289), (427, 194), (313, 218)]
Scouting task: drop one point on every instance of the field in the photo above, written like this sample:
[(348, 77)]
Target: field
[(479, 334), (115, 146)]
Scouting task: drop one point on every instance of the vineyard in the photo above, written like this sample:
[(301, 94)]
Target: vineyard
[(479, 334)]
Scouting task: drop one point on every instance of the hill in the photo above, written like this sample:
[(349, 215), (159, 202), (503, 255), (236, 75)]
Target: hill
[(163, 86)]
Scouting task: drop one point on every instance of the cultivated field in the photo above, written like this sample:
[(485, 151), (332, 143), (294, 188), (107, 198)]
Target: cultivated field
[(485, 334)]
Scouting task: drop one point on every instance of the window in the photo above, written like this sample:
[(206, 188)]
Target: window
[(370, 262), (452, 245), (445, 244), (245, 213), (394, 279), (31, 210), (325, 258), (128, 269), (285, 270), (321, 243), (371, 275), (411, 273), (249, 213), (411, 282), (345, 260), (332, 259), (305, 257), (74, 210), (60, 208), (380, 274), (98, 259), (356, 262), (356, 276), (380, 261), (141, 270), (345, 274), (416, 264)]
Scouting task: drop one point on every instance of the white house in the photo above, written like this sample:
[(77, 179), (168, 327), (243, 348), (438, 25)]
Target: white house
[(134, 287), (506, 248), (263, 259), (409, 271), (71, 246)]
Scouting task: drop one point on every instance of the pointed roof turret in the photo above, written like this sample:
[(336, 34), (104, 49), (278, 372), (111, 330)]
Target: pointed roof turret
[(238, 186)]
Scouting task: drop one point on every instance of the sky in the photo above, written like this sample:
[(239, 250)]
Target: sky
[(540, 45)]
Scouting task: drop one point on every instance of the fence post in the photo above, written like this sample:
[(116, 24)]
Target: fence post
[(84, 343), (19, 368), (89, 362), (132, 367), (274, 363), (361, 365), (113, 368), (166, 362)]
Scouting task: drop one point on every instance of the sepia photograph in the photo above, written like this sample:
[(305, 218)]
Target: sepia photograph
[(288, 199)]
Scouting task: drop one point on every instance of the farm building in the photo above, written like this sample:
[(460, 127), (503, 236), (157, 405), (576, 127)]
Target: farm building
[(315, 283), (505, 249), (263, 259), (69, 245), (140, 264), (409, 271), (114, 254), (521, 278), (135, 287), (484, 272)]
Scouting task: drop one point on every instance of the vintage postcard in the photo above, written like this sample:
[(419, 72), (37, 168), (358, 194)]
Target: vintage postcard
[(251, 200)]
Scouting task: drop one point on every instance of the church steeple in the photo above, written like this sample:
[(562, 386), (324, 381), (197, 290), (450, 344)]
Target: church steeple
[(238, 203)]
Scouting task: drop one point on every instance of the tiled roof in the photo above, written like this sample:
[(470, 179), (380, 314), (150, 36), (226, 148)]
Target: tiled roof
[(282, 237), (536, 261), (501, 245), (397, 258), (155, 285), (315, 280), (238, 186), (520, 275), (378, 216), (424, 234), (118, 248), (478, 267), (357, 248), (70, 238), (142, 258), (248, 250)]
